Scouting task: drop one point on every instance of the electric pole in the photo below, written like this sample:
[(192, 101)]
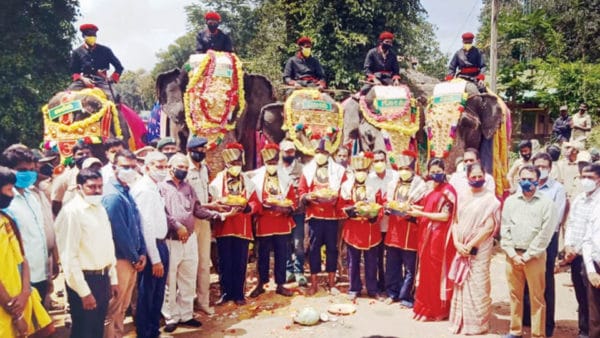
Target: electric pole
[(494, 46)]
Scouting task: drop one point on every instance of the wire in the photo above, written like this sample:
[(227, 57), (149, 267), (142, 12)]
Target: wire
[(466, 21)]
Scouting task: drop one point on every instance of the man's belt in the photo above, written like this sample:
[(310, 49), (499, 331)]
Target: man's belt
[(469, 70), (308, 78), (101, 272)]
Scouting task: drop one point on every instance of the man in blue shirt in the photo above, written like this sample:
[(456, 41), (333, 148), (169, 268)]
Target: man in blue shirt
[(127, 235)]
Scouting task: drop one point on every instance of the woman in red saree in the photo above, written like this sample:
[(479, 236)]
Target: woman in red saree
[(436, 250), (473, 231)]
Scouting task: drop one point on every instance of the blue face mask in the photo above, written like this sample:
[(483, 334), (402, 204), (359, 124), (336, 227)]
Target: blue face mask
[(439, 177), (25, 179), (527, 186)]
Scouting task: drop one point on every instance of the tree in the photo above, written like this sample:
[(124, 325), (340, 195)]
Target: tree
[(36, 41), (136, 89)]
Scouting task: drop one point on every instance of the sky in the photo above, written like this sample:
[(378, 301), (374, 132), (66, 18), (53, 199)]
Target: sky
[(137, 29)]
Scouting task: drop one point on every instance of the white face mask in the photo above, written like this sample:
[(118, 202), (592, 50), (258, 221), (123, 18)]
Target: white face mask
[(379, 167), (271, 168), (158, 175), (234, 170), (127, 176), (94, 200), (544, 174), (587, 184), (321, 158)]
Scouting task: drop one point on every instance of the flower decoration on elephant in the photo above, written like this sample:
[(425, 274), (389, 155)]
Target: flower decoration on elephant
[(85, 116), (308, 113), (214, 97), (443, 114), (391, 108)]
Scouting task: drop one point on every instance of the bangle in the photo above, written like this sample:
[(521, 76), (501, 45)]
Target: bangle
[(18, 318)]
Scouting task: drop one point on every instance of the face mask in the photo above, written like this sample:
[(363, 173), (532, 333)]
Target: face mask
[(386, 46), (587, 184), (527, 186), (526, 157), (379, 167), (212, 27), (467, 46), (404, 174), (5, 201), (360, 176), (438, 178), (234, 170), (90, 40), (127, 176), (343, 163), (477, 183), (544, 174), (306, 51), (271, 169), (321, 159), (47, 169), (197, 156), (94, 200), (180, 174), (288, 159), (25, 179), (169, 155), (158, 175)]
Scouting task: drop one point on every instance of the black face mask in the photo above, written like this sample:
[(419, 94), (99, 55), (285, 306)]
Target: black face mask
[(288, 159), (526, 157), (180, 174), (5, 201), (47, 169), (79, 161), (212, 27), (385, 47), (197, 156), (169, 155)]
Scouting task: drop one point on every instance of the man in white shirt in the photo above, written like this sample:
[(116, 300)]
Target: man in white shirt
[(379, 178), (87, 252), (112, 146), (152, 280), (459, 180), (591, 253)]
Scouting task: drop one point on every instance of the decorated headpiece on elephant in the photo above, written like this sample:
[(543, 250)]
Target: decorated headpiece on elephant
[(212, 98), (88, 116)]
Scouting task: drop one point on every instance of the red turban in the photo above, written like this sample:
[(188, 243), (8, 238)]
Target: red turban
[(88, 27), (235, 145), (385, 36), (303, 40), (273, 146), (212, 16), (468, 36)]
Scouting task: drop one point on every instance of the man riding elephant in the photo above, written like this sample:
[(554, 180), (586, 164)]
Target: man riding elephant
[(303, 69), (381, 64), (91, 61), (469, 62), (213, 38)]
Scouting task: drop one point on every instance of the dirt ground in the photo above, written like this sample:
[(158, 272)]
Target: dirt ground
[(270, 315)]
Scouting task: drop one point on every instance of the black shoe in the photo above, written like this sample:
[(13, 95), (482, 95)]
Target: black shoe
[(508, 335), (240, 302), (258, 290), (224, 299), (283, 291), (192, 322), (170, 328)]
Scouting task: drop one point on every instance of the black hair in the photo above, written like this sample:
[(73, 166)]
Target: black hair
[(380, 152), (554, 152), (438, 162), (474, 166), (13, 156), (525, 144), (7, 176), (593, 168), (87, 174), (114, 142), (79, 146), (542, 156), (530, 168), (124, 153), (473, 151)]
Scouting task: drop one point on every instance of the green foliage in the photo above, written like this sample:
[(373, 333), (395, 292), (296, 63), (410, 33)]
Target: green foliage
[(36, 40), (136, 89), (176, 54)]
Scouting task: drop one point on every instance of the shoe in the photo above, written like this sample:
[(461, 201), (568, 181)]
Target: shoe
[(508, 335), (352, 295), (283, 291), (240, 302), (257, 291), (302, 281), (192, 322), (170, 328), (406, 304), (389, 301), (224, 299), (207, 310)]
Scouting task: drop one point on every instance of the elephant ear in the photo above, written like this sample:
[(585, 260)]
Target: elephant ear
[(490, 115), (169, 91)]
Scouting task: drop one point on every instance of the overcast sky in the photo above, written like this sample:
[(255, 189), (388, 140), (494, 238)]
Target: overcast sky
[(137, 29)]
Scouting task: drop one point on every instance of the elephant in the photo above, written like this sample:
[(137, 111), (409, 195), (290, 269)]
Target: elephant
[(170, 87)]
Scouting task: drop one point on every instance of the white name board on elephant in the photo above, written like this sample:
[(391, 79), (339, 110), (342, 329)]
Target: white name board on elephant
[(391, 99), (443, 113), (449, 91), (223, 64)]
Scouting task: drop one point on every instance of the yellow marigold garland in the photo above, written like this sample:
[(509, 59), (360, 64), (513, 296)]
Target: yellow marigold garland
[(397, 124)]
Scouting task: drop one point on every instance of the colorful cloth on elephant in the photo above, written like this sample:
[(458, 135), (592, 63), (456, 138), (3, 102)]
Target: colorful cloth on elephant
[(12, 255), (443, 113), (471, 302), (136, 126), (154, 123), (436, 250)]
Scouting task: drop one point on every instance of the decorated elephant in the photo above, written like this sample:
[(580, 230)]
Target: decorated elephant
[(88, 116), (239, 124)]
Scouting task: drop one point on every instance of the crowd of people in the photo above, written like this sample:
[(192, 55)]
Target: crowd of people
[(145, 221)]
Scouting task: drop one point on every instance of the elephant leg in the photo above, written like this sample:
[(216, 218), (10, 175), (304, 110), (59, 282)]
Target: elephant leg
[(350, 130), (486, 153)]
